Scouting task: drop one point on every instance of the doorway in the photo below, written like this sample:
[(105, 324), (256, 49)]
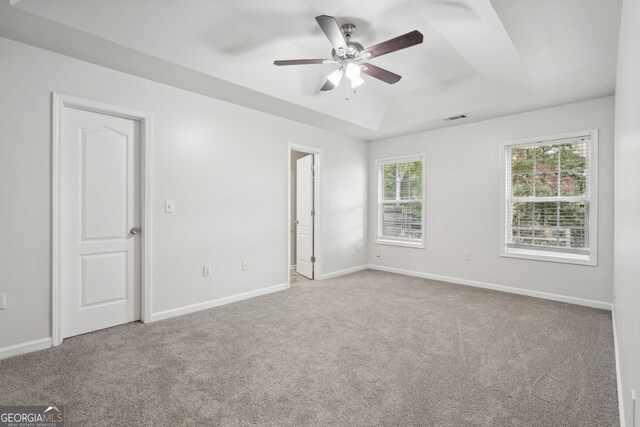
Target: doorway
[(100, 238), (303, 261)]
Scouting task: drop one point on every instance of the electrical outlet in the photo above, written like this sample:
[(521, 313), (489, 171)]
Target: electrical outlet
[(245, 264), (3, 301), (378, 254), (206, 270), (168, 206), (358, 246), (467, 256)]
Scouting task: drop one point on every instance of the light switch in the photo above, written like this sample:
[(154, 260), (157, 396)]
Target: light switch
[(168, 206), (3, 301)]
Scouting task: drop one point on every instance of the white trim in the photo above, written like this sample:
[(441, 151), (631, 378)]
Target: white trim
[(400, 159), (25, 347), (56, 108), (345, 271), (495, 287), (377, 240), (317, 207), (167, 314), (400, 243), (59, 102), (532, 254), (618, 376)]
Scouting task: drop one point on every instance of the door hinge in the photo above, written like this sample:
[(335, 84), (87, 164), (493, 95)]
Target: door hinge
[(313, 259), (313, 213)]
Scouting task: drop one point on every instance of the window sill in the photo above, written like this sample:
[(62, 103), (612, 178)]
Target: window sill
[(550, 257), (415, 245)]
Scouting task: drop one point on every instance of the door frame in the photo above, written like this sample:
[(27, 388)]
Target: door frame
[(59, 103), (317, 180)]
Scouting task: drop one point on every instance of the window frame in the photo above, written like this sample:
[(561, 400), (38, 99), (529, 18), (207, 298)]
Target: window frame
[(378, 239), (549, 254)]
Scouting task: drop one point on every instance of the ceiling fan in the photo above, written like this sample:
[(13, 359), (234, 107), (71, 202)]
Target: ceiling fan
[(352, 56)]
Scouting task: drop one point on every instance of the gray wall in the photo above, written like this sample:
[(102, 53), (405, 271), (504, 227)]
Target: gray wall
[(223, 165), (627, 208), (462, 204)]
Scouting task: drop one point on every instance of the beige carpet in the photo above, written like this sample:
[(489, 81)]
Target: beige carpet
[(366, 349)]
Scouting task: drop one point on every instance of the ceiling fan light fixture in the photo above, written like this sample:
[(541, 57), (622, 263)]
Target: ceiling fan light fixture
[(356, 81), (335, 77), (352, 70)]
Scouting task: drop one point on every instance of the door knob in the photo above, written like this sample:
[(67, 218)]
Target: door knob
[(296, 222), (135, 230)]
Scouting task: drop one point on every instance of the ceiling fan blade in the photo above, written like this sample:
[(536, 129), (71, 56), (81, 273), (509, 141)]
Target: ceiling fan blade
[(331, 29), (303, 61), (327, 86), (381, 74), (401, 42)]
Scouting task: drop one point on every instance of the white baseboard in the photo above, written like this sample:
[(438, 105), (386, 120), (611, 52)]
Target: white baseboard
[(618, 376), (502, 288), (343, 272), (216, 302), (25, 347)]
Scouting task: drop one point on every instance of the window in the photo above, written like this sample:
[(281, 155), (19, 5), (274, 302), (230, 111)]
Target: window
[(550, 198), (400, 219)]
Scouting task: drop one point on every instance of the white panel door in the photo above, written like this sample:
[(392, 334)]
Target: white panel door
[(304, 218), (100, 212)]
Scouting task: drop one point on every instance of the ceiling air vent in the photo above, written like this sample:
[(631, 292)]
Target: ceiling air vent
[(461, 116)]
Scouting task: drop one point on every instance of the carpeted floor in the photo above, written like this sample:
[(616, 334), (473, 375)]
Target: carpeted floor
[(365, 349)]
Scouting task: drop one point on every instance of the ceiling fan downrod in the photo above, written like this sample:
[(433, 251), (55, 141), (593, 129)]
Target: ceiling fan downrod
[(348, 30)]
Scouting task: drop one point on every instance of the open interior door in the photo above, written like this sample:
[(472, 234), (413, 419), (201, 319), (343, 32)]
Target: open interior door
[(304, 217)]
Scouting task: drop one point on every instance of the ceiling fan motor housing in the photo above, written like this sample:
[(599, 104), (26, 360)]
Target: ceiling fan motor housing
[(353, 48), (352, 52)]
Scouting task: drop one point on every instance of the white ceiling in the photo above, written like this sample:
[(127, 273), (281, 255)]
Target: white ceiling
[(482, 58)]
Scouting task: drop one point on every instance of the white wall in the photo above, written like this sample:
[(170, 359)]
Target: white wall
[(627, 208), (463, 203), (225, 167)]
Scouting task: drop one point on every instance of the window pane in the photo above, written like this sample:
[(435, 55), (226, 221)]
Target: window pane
[(522, 161), (411, 181), (553, 224), (522, 172), (573, 169), (402, 220), (573, 217), (522, 185), (546, 170), (403, 181), (389, 181)]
